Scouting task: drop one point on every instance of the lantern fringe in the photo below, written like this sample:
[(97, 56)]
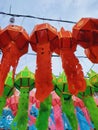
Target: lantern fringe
[(44, 112), (57, 112), (69, 110), (73, 71), (43, 75), (4, 69), (2, 103), (92, 109), (11, 55), (10, 58), (21, 119)]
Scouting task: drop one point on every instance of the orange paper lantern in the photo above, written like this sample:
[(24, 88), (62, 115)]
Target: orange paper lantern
[(70, 63), (92, 53), (41, 40), (13, 43), (85, 33)]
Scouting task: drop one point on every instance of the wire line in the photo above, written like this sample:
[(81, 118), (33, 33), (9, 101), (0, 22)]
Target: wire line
[(35, 17)]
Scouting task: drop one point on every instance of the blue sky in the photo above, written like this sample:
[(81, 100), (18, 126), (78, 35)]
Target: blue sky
[(72, 10)]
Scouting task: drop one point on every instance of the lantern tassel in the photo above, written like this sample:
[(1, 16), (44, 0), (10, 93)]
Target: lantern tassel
[(10, 58), (43, 75), (2, 104), (21, 119), (44, 112), (69, 110), (11, 55), (73, 70), (92, 109)]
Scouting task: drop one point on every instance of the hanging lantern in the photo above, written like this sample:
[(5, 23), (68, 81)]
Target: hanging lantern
[(24, 81), (85, 32), (92, 53), (25, 78), (13, 43), (70, 63), (41, 40)]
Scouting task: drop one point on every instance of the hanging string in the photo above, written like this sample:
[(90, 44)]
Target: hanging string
[(35, 17), (56, 55), (52, 55)]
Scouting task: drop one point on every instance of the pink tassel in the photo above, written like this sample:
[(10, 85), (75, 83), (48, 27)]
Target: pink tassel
[(57, 113)]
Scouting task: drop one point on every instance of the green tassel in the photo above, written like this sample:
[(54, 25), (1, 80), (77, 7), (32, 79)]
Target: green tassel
[(69, 110), (21, 119), (8, 87), (2, 104), (92, 109), (44, 113)]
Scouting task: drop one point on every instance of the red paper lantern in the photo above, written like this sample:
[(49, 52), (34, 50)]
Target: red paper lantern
[(42, 41), (70, 63), (85, 32), (92, 53), (14, 44)]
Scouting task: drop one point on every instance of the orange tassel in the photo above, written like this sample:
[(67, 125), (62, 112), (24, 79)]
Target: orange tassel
[(73, 70), (11, 55), (8, 59), (43, 75)]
